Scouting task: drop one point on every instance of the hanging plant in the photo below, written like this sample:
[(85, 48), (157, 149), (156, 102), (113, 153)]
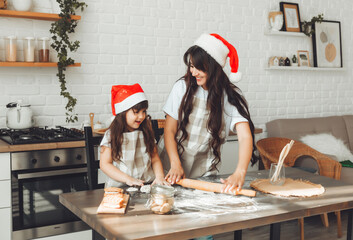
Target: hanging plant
[(60, 31), (308, 26)]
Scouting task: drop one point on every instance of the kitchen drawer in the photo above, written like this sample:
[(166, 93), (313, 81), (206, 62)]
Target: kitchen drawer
[(83, 235), (5, 223), (5, 192), (5, 166)]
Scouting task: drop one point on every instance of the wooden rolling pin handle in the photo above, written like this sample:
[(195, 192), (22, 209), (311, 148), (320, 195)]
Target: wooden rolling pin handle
[(213, 187), (91, 117)]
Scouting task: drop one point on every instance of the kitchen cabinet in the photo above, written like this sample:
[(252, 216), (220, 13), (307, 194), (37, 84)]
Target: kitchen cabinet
[(35, 16), (5, 200)]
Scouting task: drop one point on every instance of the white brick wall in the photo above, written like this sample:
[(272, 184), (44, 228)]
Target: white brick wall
[(123, 42)]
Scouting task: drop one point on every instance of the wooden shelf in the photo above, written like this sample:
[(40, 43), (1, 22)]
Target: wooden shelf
[(34, 15), (284, 33), (304, 69), (34, 64)]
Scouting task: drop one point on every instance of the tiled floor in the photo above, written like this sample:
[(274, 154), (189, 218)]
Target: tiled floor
[(313, 230)]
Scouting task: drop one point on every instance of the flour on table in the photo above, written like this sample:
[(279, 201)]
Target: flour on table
[(209, 204), (132, 189)]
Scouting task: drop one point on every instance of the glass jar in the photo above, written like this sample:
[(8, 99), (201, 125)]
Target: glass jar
[(28, 49), (43, 49), (11, 48), (161, 199)]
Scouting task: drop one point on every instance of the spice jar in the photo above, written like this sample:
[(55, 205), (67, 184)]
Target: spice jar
[(43, 49), (11, 48), (28, 49), (161, 199)]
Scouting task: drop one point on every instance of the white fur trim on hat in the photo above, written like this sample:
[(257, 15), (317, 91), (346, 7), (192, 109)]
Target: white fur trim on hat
[(213, 47), (129, 102), (235, 77)]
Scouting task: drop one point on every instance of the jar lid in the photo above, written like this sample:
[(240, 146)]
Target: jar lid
[(29, 38), (162, 189), (44, 38), (11, 37)]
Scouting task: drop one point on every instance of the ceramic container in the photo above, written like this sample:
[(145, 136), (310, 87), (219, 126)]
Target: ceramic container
[(22, 5)]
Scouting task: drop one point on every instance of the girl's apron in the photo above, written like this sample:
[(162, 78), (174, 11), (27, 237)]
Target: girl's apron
[(197, 156), (135, 161)]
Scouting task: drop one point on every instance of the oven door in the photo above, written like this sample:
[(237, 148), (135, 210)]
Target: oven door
[(36, 210)]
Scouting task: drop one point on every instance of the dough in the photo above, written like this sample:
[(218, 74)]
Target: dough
[(145, 189), (132, 189), (291, 188)]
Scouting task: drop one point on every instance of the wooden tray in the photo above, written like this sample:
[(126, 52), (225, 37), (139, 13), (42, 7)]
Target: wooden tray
[(122, 210)]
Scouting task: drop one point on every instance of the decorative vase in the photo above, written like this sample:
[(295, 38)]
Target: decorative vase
[(22, 5), (276, 20)]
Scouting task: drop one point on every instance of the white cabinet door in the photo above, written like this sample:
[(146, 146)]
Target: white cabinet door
[(5, 169), (5, 223), (5, 192), (83, 235)]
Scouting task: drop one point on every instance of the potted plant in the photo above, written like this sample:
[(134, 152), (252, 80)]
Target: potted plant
[(62, 44), (307, 26)]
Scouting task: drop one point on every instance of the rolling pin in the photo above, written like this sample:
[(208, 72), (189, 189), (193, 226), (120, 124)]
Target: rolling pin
[(213, 187)]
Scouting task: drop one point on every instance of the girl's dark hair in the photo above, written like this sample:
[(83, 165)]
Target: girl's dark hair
[(217, 84), (119, 126)]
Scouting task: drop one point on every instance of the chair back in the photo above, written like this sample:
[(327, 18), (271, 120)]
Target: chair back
[(92, 141), (270, 149)]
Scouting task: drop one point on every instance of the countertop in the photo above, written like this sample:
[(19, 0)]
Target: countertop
[(5, 147)]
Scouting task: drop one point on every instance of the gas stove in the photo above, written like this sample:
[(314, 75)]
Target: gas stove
[(40, 135)]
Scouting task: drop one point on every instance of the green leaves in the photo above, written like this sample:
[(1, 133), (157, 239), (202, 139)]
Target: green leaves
[(307, 26), (60, 31)]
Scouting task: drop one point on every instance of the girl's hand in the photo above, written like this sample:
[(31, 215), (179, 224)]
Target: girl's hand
[(175, 174), (234, 182), (134, 182), (160, 181)]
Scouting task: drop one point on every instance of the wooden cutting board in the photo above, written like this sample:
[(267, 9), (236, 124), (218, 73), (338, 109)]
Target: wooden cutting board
[(122, 210)]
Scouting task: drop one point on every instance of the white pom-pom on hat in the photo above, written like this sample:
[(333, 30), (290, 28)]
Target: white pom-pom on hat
[(218, 48)]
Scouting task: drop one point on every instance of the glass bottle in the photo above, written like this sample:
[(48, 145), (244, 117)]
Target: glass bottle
[(28, 49), (43, 49), (11, 48), (162, 199)]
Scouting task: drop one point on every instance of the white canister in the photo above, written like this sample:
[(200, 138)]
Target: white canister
[(22, 5), (28, 49), (11, 48)]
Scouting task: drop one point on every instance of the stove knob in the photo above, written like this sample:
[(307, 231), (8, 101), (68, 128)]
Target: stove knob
[(56, 159), (79, 157), (34, 161)]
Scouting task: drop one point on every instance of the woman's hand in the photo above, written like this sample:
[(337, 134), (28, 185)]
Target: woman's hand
[(234, 182), (175, 174), (134, 182), (160, 181)]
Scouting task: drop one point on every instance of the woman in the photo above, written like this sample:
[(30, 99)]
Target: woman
[(201, 110)]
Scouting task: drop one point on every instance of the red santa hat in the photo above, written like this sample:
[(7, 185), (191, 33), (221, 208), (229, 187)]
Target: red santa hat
[(220, 49), (126, 96)]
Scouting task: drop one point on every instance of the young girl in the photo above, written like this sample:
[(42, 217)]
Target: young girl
[(128, 151), (202, 108)]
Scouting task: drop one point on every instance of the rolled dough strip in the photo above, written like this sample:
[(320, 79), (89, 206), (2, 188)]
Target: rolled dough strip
[(213, 187)]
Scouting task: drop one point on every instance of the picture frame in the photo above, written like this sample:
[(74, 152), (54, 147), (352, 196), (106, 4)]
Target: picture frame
[(327, 44), (291, 17), (303, 58)]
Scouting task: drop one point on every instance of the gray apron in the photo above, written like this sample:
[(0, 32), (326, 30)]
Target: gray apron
[(197, 156), (135, 161)]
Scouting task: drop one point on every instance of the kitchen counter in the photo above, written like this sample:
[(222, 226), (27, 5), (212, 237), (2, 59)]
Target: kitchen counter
[(264, 209), (5, 147)]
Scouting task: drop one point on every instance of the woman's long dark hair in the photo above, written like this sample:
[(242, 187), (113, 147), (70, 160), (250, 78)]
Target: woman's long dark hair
[(119, 126), (217, 84)]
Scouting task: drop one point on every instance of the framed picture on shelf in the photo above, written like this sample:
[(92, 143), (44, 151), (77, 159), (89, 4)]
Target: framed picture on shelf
[(303, 58), (327, 44), (291, 16)]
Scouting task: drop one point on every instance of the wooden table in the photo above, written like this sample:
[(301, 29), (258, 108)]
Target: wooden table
[(141, 223)]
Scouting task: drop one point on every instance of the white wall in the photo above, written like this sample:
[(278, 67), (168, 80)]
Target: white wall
[(123, 42)]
